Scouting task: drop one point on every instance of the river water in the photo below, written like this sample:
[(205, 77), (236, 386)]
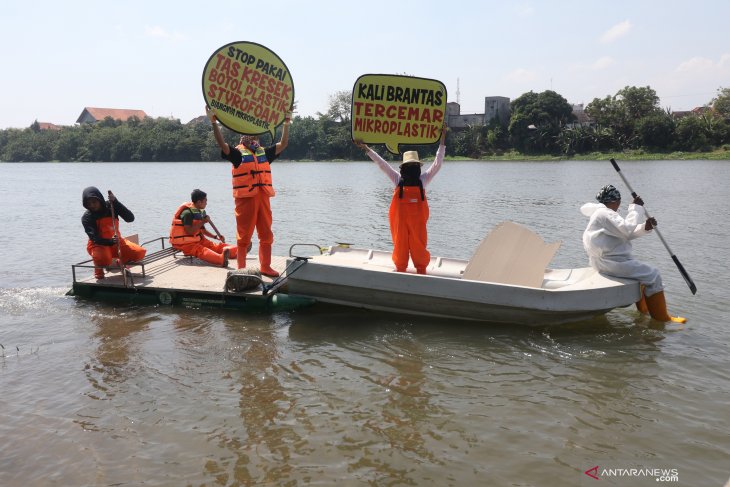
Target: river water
[(95, 394)]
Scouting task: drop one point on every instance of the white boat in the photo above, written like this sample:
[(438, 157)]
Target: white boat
[(506, 281)]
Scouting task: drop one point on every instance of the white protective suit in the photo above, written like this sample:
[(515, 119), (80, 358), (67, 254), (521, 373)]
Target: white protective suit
[(607, 240)]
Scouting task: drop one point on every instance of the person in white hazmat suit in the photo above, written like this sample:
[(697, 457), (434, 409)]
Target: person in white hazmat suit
[(607, 241)]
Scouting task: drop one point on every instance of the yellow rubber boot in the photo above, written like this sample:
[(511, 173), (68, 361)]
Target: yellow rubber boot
[(658, 309), (641, 303)]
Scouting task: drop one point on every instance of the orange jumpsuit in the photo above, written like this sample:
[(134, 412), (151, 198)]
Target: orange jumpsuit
[(408, 215), (197, 245), (102, 254), (208, 251), (252, 190)]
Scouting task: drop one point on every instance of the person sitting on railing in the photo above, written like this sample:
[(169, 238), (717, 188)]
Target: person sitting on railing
[(188, 232), (103, 245)]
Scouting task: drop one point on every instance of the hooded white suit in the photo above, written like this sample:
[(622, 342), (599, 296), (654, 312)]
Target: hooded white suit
[(607, 240)]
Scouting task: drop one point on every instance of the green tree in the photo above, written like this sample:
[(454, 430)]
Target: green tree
[(638, 102), (721, 103), (716, 128), (469, 142), (340, 107), (691, 135), (537, 119), (656, 131), (306, 137), (622, 112), (69, 144)]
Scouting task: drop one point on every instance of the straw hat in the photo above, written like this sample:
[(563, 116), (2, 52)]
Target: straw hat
[(411, 157)]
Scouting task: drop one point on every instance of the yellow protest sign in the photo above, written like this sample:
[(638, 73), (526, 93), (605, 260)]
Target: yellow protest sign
[(395, 110), (249, 87)]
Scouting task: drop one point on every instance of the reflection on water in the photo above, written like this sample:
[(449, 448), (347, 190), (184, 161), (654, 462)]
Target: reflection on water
[(107, 394)]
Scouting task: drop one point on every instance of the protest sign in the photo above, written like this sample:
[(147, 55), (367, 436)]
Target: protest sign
[(396, 110), (249, 87)]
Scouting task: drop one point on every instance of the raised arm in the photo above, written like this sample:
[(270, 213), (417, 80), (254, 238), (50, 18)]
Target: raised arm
[(122, 211), (435, 167), (217, 131), (281, 145), (392, 174)]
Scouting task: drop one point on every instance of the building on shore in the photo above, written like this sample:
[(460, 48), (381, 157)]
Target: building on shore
[(47, 126), (495, 107), (581, 117), (94, 114)]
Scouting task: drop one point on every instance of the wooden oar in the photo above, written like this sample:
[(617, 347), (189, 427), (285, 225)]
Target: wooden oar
[(218, 234), (119, 245), (679, 265), (220, 237)]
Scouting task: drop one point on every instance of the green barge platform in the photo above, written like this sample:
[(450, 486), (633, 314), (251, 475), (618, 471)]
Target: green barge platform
[(169, 278)]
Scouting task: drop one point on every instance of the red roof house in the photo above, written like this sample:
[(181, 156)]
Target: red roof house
[(48, 126), (93, 114)]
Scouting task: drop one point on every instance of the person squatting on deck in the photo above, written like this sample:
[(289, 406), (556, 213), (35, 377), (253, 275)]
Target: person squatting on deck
[(99, 226), (188, 232), (607, 241), (252, 190), (408, 213)]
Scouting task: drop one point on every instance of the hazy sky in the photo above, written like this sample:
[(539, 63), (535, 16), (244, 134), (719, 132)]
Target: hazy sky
[(60, 56)]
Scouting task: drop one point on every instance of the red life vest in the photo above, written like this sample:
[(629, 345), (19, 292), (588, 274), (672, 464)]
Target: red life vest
[(177, 229), (253, 173)]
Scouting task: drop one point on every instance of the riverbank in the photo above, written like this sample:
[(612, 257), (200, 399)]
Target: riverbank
[(722, 154), (633, 155)]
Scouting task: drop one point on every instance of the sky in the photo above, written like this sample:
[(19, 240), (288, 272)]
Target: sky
[(59, 57)]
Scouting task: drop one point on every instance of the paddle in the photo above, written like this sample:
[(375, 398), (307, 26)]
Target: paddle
[(679, 265), (218, 234), (119, 245), (220, 237)]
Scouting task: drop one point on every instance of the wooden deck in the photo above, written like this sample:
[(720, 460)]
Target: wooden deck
[(183, 281), (179, 273)]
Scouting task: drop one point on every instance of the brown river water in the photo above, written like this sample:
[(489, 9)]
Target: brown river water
[(104, 394)]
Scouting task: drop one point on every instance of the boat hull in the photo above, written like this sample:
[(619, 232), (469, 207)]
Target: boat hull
[(567, 295)]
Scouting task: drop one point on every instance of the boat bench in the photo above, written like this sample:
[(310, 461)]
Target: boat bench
[(154, 257)]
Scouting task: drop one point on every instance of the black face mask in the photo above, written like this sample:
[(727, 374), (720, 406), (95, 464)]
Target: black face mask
[(410, 173)]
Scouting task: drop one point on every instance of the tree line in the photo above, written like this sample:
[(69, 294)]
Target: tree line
[(540, 123)]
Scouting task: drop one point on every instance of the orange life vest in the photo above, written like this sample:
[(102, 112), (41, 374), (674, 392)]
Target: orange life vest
[(253, 173), (105, 226), (177, 229)]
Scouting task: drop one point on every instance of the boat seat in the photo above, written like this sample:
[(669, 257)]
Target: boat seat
[(154, 257)]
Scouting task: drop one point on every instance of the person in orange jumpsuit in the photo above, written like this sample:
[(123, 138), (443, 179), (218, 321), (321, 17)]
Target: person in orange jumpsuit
[(188, 232), (100, 228), (252, 190), (408, 214)]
